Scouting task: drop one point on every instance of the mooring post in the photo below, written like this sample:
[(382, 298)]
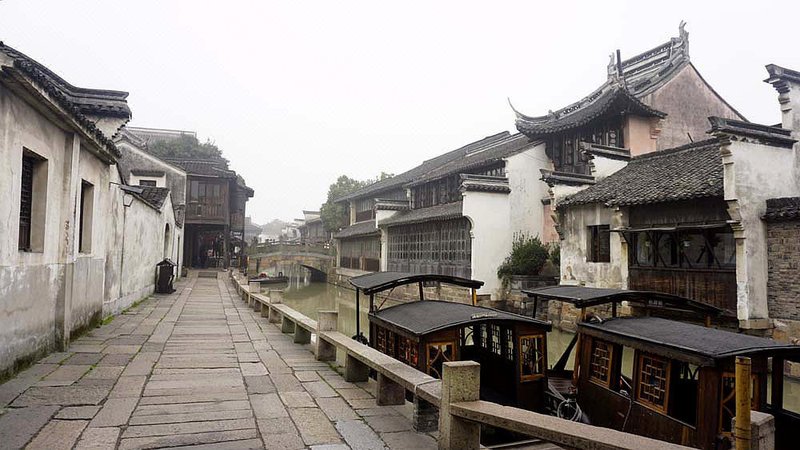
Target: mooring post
[(461, 382), (326, 321), (741, 431)]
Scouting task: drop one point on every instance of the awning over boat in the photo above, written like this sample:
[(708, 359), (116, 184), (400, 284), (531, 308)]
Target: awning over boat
[(681, 340), (420, 318), (584, 297), (380, 281)]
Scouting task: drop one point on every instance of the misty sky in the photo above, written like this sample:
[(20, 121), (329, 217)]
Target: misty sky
[(297, 93)]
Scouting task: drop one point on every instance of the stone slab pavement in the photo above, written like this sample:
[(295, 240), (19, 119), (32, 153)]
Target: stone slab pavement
[(195, 369)]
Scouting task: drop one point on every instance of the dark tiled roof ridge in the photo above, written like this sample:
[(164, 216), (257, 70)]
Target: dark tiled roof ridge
[(111, 93), (687, 172), (38, 77), (783, 208), (421, 169)]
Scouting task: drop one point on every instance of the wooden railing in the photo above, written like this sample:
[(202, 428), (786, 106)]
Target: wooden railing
[(452, 404)]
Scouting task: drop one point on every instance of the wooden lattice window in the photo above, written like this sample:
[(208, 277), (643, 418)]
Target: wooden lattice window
[(407, 351), (484, 334), (494, 343), (26, 203), (509, 344), (390, 343), (600, 362), (438, 354), (380, 340), (532, 359), (599, 246), (653, 381), (727, 405)]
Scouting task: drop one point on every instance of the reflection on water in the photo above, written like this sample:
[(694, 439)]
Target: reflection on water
[(308, 298)]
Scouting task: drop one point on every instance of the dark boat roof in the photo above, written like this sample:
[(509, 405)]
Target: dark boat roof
[(684, 341), (427, 316), (380, 281), (583, 297)]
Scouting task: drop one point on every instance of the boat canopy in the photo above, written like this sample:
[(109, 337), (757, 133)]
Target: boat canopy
[(421, 318), (584, 297), (373, 283), (684, 341)]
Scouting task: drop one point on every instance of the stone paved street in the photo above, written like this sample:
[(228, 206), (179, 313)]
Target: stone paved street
[(195, 369)]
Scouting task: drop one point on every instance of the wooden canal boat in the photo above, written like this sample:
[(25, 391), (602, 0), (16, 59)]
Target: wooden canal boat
[(512, 349), (667, 379), (266, 279)]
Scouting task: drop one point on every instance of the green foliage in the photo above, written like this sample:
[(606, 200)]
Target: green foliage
[(186, 146), (335, 216), (527, 257)]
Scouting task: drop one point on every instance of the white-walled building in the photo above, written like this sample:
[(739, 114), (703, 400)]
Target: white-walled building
[(76, 243)]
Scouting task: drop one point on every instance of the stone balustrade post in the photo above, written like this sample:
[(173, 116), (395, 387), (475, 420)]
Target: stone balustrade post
[(461, 382), (326, 321), (275, 298), (762, 430), (301, 335), (287, 325), (389, 392), (425, 418), (354, 370)]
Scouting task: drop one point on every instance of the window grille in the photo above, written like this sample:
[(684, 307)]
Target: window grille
[(495, 346), (438, 354), (509, 344), (407, 351), (599, 244), (600, 363), (727, 405), (26, 203), (653, 385), (149, 183), (532, 357)]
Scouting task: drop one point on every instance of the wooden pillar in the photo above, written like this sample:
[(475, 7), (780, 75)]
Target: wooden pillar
[(777, 383), (461, 382), (741, 431)]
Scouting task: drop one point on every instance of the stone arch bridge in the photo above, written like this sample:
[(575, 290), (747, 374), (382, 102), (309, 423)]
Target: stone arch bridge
[(293, 260)]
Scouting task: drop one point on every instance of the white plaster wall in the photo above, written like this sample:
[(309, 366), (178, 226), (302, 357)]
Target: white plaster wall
[(527, 190), (30, 283), (753, 173), (490, 215), (135, 250), (380, 215), (575, 269), (603, 167)]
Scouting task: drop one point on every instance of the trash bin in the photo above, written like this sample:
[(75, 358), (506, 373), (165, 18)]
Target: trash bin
[(165, 275)]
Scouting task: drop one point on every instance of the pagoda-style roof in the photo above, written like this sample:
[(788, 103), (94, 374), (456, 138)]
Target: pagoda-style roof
[(628, 82)]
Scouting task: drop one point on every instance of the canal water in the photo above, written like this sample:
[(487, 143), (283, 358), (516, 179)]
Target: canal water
[(308, 298)]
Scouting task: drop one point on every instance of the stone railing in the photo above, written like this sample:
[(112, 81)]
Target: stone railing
[(452, 404), (318, 249)]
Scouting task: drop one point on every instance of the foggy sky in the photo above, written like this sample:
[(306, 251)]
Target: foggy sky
[(297, 93)]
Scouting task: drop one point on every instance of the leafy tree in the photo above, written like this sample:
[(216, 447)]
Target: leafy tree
[(187, 146), (335, 216)]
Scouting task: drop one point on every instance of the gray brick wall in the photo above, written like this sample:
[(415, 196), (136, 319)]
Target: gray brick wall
[(783, 285)]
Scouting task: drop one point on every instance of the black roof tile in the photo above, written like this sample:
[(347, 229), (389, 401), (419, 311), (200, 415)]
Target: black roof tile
[(439, 212), (682, 173), (786, 208)]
